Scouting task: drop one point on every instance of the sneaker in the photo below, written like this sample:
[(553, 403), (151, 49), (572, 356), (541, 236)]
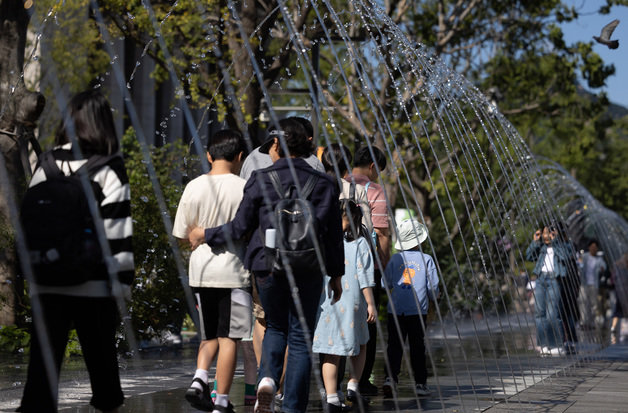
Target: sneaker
[(266, 390), (354, 398), (388, 388), (338, 408), (368, 389), (570, 349), (557, 351), (199, 399), (223, 409), (422, 390), (545, 351), (278, 402)]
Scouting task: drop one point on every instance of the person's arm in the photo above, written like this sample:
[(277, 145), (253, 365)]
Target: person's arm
[(532, 253), (379, 216), (370, 304), (245, 219), (384, 241), (115, 210), (332, 238), (433, 291), (335, 285)]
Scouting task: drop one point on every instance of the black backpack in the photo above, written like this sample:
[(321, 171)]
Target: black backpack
[(297, 239), (58, 227)]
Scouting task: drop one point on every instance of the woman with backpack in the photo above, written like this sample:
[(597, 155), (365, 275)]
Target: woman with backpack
[(284, 183), (72, 287)]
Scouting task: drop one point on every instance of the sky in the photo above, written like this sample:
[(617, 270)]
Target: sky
[(589, 24)]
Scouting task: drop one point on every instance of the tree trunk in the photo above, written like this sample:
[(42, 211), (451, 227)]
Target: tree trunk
[(19, 109)]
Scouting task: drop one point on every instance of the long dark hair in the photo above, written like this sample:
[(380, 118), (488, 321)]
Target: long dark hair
[(88, 119), (353, 212)]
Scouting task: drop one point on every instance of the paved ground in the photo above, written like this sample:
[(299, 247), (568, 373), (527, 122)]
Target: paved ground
[(480, 370)]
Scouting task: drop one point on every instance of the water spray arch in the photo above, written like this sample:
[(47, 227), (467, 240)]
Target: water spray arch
[(453, 160)]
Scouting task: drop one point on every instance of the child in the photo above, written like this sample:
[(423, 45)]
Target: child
[(412, 278), (220, 283), (342, 328)]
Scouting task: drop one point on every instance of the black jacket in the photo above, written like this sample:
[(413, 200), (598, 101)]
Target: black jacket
[(255, 212)]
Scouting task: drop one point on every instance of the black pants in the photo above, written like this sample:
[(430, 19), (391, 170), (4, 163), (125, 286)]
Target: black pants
[(371, 345), (411, 328), (95, 321)]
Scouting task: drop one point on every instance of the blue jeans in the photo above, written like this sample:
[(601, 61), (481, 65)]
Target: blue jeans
[(549, 330), (284, 329)]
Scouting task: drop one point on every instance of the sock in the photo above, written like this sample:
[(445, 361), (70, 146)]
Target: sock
[(222, 400), (249, 389), (214, 390), (200, 374), (352, 385), (333, 399)]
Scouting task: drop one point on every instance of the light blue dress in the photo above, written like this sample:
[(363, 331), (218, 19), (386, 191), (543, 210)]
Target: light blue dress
[(341, 328)]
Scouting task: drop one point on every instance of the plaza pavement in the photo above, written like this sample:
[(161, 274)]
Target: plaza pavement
[(492, 372)]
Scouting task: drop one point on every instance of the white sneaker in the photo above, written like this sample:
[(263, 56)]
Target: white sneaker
[(557, 351), (422, 390), (545, 351), (388, 388), (266, 390)]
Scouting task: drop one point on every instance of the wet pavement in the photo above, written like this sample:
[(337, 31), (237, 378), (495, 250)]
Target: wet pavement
[(485, 366)]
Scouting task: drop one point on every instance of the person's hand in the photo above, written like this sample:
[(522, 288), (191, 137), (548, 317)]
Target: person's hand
[(371, 314), (335, 285), (196, 236), (537, 235)]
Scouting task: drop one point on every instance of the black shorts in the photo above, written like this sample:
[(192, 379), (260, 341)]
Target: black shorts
[(224, 312)]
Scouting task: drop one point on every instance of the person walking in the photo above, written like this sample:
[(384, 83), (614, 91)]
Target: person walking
[(341, 330), (220, 283), (88, 303), (593, 266), (366, 169), (412, 278), (551, 257), (255, 216)]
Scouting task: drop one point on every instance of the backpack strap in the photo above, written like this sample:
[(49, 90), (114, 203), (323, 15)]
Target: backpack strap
[(309, 186), (49, 165), (48, 162), (94, 163), (366, 187), (274, 179), (352, 191)]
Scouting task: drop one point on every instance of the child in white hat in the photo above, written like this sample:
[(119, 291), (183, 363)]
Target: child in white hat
[(412, 279)]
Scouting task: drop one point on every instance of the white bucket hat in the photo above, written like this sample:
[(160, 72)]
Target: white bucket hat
[(410, 234)]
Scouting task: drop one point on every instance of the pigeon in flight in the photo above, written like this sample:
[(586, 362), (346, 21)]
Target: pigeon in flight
[(605, 35)]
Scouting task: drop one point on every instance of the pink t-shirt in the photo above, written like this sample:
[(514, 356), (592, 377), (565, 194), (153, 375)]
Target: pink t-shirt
[(377, 201)]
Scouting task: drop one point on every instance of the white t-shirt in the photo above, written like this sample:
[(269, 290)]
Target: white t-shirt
[(548, 264), (362, 201), (209, 201)]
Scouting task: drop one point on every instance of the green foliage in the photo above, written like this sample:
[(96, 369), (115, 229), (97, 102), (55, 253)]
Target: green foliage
[(14, 339), (158, 299), (69, 23), (18, 340)]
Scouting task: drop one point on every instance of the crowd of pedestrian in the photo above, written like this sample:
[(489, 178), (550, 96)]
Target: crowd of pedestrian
[(288, 250)]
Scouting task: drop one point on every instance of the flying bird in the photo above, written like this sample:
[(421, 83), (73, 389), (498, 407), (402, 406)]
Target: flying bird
[(605, 35)]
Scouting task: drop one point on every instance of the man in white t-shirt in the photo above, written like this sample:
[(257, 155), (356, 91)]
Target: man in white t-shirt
[(220, 283)]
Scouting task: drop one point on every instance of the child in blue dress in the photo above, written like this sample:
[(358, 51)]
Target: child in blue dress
[(342, 328)]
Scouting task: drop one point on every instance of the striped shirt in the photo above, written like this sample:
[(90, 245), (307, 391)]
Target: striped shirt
[(115, 211)]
